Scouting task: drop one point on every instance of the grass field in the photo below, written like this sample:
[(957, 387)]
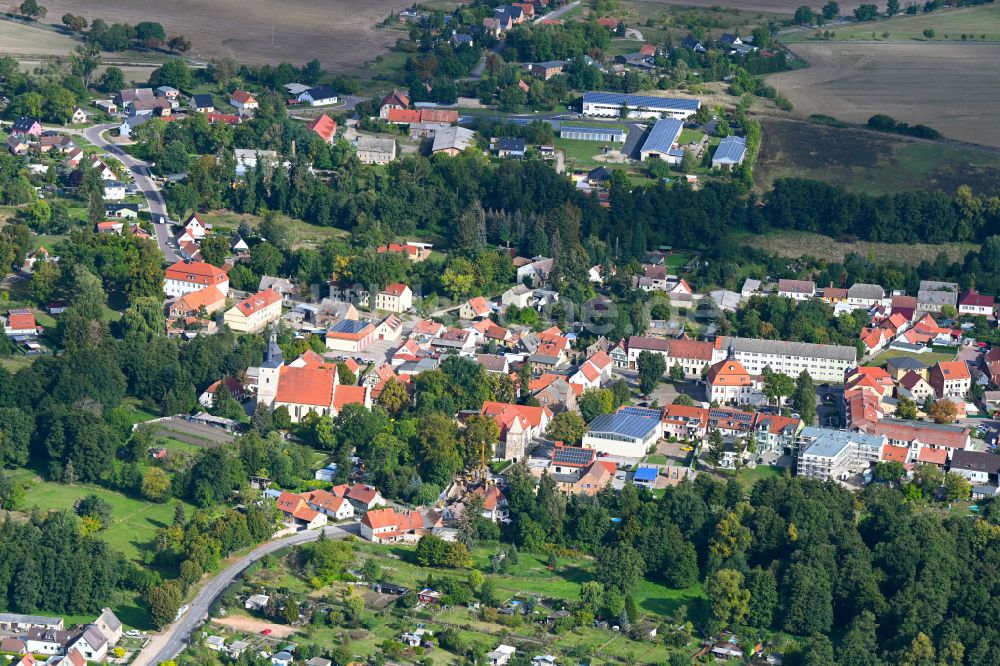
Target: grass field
[(939, 84), (977, 23), (927, 358), (18, 40), (135, 520), (581, 153), (339, 33), (796, 244), (302, 233), (870, 162)]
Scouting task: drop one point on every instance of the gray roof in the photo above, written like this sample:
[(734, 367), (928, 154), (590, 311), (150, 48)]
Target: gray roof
[(455, 137), (731, 149), (786, 348), (976, 461), (29, 619), (935, 285), (592, 129), (862, 290), (647, 101), (664, 135), (376, 144), (937, 298), (906, 363), (110, 619), (630, 425), (828, 443)]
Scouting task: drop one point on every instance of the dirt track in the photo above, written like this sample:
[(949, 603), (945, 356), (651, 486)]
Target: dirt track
[(340, 33), (940, 85)]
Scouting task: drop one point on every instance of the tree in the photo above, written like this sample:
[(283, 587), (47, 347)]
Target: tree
[(804, 398), (778, 385), (929, 33), (179, 44), (394, 397), (817, 651), (173, 73), (906, 409), (956, 487), (892, 7), (920, 652), (619, 568), (32, 9), (831, 10), (214, 248), (890, 472), (808, 599), (175, 158), (867, 12), (943, 411), (595, 402), (716, 443), (155, 484), (164, 600), (567, 427), (651, 367), (805, 16), (729, 601)]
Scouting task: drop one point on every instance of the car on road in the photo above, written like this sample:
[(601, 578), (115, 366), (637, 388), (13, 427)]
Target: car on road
[(265, 632)]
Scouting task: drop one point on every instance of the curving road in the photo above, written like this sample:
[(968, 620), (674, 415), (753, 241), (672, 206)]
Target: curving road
[(172, 640), (143, 181)]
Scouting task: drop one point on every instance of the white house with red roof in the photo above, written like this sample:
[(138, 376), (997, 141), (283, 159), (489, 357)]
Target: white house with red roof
[(951, 379), (364, 497), (392, 526), (21, 322), (973, 303), (337, 508), (593, 372), (184, 277), (476, 307), (394, 100), (348, 335), (297, 514), (396, 297), (254, 312), (415, 252), (519, 426), (195, 228), (729, 382), (243, 100)]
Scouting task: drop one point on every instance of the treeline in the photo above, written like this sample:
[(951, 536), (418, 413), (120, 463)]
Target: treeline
[(48, 564), (791, 556), (777, 318), (883, 123), (538, 43)]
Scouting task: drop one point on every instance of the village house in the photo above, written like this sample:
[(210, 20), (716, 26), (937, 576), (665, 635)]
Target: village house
[(255, 312), (396, 297), (194, 303), (392, 526), (978, 467), (798, 290), (555, 392), (318, 96), (971, 302), (932, 295), (951, 379), (593, 372), (728, 382), (324, 127), (394, 100), (337, 508), (415, 252), (243, 100), (297, 514), (475, 308), (21, 322), (865, 296), (184, 277)]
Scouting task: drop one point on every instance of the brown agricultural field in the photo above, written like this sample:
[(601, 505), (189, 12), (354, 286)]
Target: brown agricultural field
[(795, 244), (870, 162), (942, 85), (766, 6), (341, 34)]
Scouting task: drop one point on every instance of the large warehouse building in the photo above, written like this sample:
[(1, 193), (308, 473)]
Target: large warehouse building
[(610, 104), (661, 144), (592, 133)]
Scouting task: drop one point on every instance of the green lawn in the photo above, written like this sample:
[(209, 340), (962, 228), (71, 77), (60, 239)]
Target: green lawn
[(656, 459), (749, 477), (302, 233), (618, 47), (927, 358), (135, 520), (690, 136), (581, 153)]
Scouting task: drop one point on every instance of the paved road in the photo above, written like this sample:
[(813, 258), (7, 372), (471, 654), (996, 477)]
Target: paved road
[(172, 640), (143, 181), (557, 13)]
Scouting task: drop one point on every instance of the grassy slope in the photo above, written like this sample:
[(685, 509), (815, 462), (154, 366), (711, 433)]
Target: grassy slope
[(978, 23)]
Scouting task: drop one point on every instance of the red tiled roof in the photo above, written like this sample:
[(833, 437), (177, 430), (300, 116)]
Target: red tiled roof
[(505, 413), (344, 394), (728, 372), (696, 349), (954, 370), (652, 344), (396, 98), (380, 518), (242, 96), (932, 456), (208, 298), (362, 493), (258, 301), (395, 289), (892, 453), (21, 319), (907, 432), (403, 116), (438, 116), (324, 126), (227, 118), (974, 298), (306, 386), (195, 271)]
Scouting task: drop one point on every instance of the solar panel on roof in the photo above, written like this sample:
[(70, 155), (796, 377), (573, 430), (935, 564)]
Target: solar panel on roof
[(641, 411), (717, 414), (572, 455), (624, 424), (663, 135), (648, 101), (348, 326)]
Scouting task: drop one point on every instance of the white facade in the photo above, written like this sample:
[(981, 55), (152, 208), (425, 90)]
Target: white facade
[(827, 454), (824, 363)]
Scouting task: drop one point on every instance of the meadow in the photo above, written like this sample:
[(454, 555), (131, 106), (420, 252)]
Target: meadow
[(975, 23)]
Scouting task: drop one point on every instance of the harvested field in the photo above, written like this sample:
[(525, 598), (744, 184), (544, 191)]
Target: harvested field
[(339, 33), (868, 161), (195, 434), (17, 40), (974, 23), (795, 244), (766, 6), (935, 83)]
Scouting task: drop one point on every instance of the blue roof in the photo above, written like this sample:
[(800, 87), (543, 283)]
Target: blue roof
[(731, 148), (349, 326), (614, 131), (664, 135), (647, 474), (648, 101), (621, 423)]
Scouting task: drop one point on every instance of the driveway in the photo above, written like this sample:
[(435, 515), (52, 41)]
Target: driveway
[(172, 640)]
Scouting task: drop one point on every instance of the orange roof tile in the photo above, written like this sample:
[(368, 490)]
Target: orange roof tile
[(346, 395), (892, 453), (258, 301), (306, 385)]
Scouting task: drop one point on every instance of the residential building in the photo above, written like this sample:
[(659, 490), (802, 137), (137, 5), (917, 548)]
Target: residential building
[(610, 104), (397, 297), (255, 312), (392, 526), (21, 322), (798, 290), (390, 328), (827, 454), (662, 141), (347, 335), (109, 227), (728, 382), (337, 508), (510, 147), (951, 379), (243, 100), (900, 366), (415, 252), (476, 307), (324, 127), (18, 623), (519, 426), (501, 656), (535, 271), (555, 392), (114, 190), (363, 497), (914, 387), (920, 436), (394, 100), (376, 150), (732, 150), (978, 467), (865, 296), (971, 302), (194, 303), (183, 277), (684, 422), (202, 103), (630, 432), (249, 158), (824, 363), (318, 96), (777, 433), (933, 295)]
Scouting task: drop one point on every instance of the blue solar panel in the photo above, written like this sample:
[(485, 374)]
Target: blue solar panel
[(646, 474), (348, 326), (731, 148), (572, 455), (664, 135), (624, 424), (652, 103)]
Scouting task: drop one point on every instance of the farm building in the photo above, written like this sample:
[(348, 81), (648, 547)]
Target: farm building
[(661, 144), (610, 104), (730, 152), (593, 134)]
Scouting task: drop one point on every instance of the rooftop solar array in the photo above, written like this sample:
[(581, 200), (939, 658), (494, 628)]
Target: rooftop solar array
[(731, 148), (664, 135), (624, 424), (647, 101), (572, 455), (348, 326), (731, 415), (641, 411)]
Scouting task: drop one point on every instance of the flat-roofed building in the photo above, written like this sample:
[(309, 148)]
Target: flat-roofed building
[(827, 454), (610, 105)]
